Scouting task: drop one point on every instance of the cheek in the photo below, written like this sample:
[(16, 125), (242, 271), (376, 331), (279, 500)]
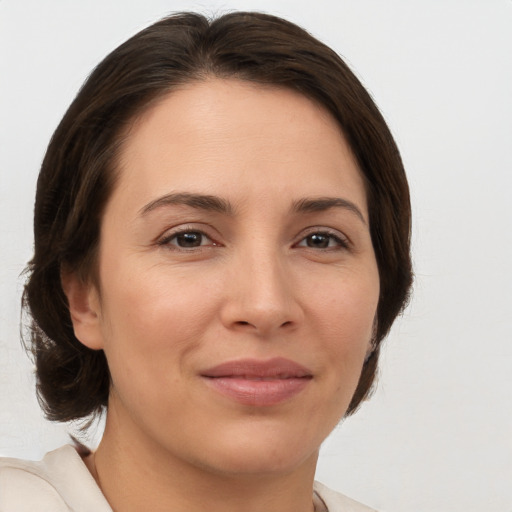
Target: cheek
[(150, 330), (347, 305), (150, 319), (344, 312)]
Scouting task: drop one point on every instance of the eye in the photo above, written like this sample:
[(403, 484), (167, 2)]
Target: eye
[(188, 239), (323, 240)]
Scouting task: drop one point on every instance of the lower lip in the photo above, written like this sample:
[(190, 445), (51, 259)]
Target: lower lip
[(258, 392)]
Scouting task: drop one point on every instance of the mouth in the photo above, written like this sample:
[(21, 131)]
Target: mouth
[(258, 383)]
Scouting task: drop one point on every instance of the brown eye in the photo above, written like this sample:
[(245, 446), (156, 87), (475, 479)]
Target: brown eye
[(187, 240), (321, 240)]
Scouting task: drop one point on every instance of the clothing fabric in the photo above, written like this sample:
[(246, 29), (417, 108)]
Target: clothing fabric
[(61, 482)]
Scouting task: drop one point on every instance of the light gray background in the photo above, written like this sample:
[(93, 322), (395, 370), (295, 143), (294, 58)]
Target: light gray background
[(437, 436)]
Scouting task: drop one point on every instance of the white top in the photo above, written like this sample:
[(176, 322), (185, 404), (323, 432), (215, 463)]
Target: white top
[(62, 483)]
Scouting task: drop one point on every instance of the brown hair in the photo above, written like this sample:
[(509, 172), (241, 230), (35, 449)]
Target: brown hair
[(79, 172)]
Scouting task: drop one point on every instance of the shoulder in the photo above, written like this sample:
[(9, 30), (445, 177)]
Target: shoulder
[(337, 502), (27, 486), (58, 483)]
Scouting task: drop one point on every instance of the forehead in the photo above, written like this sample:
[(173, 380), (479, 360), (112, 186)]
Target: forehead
[(229, 137)]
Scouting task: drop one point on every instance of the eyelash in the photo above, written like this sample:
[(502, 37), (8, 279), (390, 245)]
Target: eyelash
[(340, 242), (166, 241)]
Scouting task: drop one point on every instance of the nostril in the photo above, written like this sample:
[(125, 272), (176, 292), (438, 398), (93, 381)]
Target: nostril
[(244, 323)]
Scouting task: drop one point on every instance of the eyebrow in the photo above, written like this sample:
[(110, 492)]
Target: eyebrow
[(320, 204), (216, 204), (198, 201)]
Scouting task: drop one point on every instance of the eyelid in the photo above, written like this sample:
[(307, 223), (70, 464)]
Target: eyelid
[(168, 235), (345, 242)]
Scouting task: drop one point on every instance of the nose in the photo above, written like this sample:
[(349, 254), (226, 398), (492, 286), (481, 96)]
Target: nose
[(262, 296)]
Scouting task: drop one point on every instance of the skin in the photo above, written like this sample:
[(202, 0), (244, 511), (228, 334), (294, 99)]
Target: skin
[(266, 280)]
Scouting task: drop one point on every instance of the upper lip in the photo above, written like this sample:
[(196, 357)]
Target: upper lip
[(276, 368)]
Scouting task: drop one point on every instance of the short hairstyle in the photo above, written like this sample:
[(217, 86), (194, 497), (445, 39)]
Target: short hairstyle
[(79, 172)]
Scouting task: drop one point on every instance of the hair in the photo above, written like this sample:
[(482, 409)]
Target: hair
[(79, 172)]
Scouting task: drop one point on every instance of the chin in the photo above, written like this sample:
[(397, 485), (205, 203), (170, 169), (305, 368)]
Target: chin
[(264, 463), (254, 453)]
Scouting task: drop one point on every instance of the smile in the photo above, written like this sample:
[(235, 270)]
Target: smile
[(258, 383)]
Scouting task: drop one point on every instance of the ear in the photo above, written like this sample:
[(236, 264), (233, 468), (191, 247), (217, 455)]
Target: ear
[(84, 309)]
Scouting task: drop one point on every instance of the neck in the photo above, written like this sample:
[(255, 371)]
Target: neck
[(137, 476)]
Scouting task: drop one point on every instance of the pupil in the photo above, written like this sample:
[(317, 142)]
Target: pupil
[(321, 241), (191, 239)]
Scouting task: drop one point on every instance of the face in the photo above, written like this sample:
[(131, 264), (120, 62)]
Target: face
[(238, 283)]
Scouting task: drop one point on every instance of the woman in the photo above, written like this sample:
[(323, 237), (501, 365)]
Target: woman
[(221, 231)]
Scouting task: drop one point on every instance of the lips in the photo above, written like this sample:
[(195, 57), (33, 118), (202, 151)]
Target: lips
[(258, 383)]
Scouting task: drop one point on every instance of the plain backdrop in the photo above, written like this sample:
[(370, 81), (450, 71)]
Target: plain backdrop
[(437, 435)]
